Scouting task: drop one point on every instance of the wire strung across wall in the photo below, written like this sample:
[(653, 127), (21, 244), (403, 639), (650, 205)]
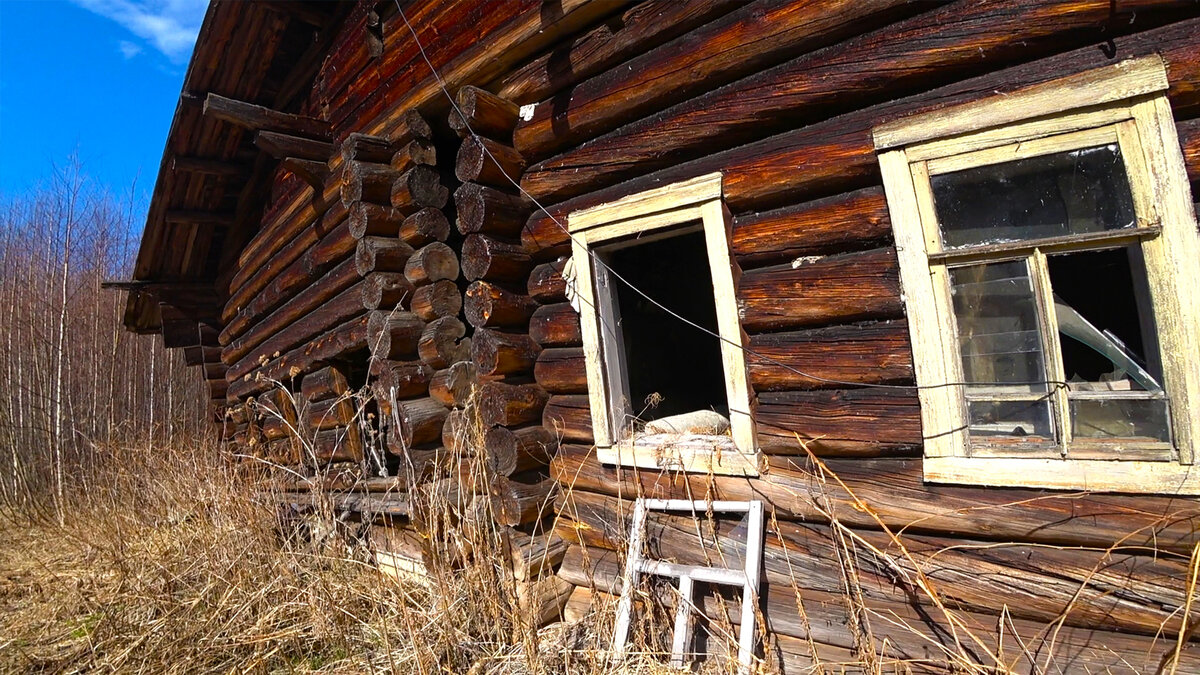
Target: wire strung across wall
[(1055, 384)]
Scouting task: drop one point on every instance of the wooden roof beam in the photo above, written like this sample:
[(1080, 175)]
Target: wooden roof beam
[(211, 167), (151, 286), (282, 146), (260, 118), (301, 11), (206, 218), (310, 171)]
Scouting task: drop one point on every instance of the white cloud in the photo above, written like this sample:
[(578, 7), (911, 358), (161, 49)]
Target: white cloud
[(128, 49), (171, 26)]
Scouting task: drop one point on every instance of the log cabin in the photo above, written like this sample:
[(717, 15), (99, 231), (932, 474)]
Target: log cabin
[(920, 276)]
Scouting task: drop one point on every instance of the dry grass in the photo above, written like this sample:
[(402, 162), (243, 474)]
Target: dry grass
[(171, 565)]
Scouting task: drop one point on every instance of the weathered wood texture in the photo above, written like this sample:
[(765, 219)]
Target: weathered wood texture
[(824, 290), (705, 58), (837, 356), (1117, 591), (933, 48), (838, 154), (894, 494)]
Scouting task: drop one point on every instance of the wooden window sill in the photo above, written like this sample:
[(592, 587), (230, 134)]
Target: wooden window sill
[(689, 453), (1091, 475)]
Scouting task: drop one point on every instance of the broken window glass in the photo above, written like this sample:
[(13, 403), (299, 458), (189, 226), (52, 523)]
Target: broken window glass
[(1003, 358), (1077, 192), (1114, 390)]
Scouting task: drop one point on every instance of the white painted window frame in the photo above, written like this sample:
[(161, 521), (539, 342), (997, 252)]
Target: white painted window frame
[(1130, 99), (649, 213)]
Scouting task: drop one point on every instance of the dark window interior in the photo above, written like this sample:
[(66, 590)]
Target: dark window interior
[(665, 356), (1100, 286)]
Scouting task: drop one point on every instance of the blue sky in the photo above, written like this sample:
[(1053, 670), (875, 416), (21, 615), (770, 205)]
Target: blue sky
[(99, 78)]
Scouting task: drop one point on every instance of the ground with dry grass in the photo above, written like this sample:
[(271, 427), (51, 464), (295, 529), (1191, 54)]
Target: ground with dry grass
[(170, 564)]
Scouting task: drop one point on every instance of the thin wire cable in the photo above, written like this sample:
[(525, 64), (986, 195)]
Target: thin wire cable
[(1057, 384)]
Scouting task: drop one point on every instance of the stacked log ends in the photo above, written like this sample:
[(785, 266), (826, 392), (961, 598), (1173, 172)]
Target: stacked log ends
[(483, 113)]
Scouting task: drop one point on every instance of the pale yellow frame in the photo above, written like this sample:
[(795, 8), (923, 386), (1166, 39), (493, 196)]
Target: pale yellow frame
[(671, 206), (1130, 98)]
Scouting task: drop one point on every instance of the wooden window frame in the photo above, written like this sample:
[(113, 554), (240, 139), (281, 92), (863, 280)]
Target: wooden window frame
[(662, 212), (1126, 102)]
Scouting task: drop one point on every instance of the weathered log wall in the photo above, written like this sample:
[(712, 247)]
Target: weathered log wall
[(784, 110), (401, 256)]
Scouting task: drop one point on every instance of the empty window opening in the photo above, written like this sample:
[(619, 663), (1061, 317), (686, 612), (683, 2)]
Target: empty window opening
[(670, 367)]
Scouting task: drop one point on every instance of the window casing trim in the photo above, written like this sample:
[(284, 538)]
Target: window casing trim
[(647, 214), (1126, 101)]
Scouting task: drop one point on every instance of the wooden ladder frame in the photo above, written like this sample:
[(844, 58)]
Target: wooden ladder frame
[(747, 578)]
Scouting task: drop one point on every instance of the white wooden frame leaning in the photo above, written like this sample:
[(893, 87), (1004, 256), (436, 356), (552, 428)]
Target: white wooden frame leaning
[(747, 578), (654, 213), (1128, 102)]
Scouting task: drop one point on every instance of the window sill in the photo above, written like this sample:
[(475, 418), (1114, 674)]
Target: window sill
[(1170, 478), (689, 453)]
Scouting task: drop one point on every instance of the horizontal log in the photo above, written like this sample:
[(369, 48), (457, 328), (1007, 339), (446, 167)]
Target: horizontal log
[(489, 305), (348, 337), (418, 188), (839, 155), (870, 353), (336, 445), (560, 370), (433, 301), (855, 220), (899, 630), (312, 253), (357, 147), (394, 335), (899, 59), (485, 210), (481, 112), (198, 354), (257, 117), (546, 284), (535, 555), (516, 503), (333, 312), (517, 450), (848, 422), (491, 259), (421, 421), (399, 380), (279, 146), (701, 60), (820, 291), (430, 263), (639, 27), (892, 492), (460, 433), (243, 324), (324, 384), (1085, 588), (381, 254), (329, 414), (312, 172), (501, 353), (367, 182), (569, 416), (417, 152), (374, 220), (556, 325), (509, 405), (482, 160), (425, 227), (443, 343), (453, 386), (386, 290)]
